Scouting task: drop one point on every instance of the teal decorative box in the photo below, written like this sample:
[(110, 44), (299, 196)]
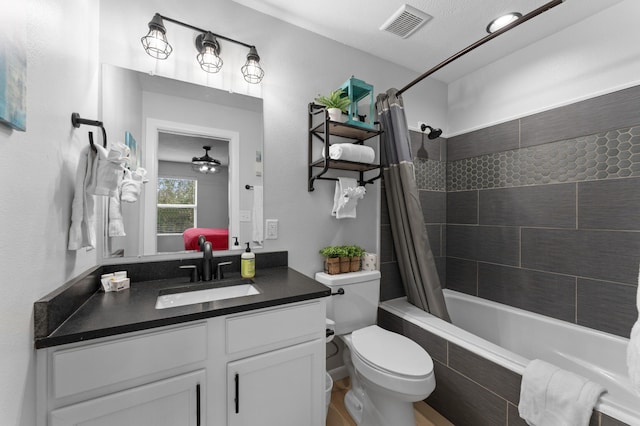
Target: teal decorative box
[(357, 91)]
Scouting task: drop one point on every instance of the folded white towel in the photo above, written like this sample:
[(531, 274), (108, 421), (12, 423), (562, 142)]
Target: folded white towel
[(550, 396), (345, 198), (258, 227), (633, 349), (351, 152), (132, 184), (107, 171)]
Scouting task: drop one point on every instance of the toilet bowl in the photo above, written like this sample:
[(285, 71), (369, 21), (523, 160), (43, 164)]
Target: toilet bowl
[(388, 371)]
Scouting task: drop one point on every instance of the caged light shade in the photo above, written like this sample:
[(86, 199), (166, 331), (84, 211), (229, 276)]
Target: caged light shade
[(155, 42), (251, 70), (209, 49)]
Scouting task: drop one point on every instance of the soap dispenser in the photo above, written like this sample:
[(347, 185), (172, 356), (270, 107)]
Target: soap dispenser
[(248, 263)]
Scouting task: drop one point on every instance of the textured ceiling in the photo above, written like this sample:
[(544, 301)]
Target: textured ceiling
[(455, 25)]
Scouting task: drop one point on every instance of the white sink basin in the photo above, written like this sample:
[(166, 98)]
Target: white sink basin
[(202, 296)]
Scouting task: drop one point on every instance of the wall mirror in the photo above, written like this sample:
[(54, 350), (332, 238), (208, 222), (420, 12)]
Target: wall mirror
[(167, 123)]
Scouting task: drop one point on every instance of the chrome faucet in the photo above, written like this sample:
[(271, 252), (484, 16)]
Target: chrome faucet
[(207, 260)]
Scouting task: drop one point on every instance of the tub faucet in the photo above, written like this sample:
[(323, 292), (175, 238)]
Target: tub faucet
[(207, 261)]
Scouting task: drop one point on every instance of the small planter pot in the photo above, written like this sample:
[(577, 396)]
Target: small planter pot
[(335, 114), (332, 265), (354, 264), (345, 264)]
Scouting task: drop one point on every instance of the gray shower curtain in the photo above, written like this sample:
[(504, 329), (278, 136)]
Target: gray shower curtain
[(415, 258)]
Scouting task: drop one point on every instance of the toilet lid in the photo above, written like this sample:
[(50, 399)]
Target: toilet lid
[(391, 352)]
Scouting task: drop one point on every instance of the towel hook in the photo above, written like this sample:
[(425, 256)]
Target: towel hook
[(76, 121)]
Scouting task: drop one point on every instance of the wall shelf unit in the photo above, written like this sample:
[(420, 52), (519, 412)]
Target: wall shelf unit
[(323, 131)]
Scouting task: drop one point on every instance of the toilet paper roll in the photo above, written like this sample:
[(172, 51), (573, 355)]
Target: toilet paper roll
[(331, 329), (370, 262)]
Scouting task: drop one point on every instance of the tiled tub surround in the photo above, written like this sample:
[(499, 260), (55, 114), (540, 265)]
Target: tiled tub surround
[(478, 382), (553, 228), (540, 213)]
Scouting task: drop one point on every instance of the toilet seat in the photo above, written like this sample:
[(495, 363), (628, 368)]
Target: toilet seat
[(391, 353), (392, 362)]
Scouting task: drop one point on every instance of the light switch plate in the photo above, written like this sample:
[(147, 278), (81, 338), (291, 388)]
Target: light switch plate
[(272, 229), (245, 216)]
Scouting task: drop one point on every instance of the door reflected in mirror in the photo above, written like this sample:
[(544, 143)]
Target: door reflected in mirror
[(171, 121), (191, 200)]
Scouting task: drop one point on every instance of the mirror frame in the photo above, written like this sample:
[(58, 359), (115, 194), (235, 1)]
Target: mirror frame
[(153, 127)]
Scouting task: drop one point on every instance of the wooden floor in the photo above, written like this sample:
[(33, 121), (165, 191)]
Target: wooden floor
[(338, 415)]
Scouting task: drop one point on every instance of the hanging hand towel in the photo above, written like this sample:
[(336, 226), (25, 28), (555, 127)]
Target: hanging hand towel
[(258, 231), (633, 350), (132, 184), (550, 396), (345, 198), (82, 232), (116, 224), (107, 171)]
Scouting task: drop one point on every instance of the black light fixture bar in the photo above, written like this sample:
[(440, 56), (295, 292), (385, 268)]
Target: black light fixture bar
[(482, 41), (156, 45), (184, 24)]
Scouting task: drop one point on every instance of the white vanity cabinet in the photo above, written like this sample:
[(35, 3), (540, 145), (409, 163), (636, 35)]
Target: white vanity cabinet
[(155, 377), (185, 374), (169, 402), (281, 386)]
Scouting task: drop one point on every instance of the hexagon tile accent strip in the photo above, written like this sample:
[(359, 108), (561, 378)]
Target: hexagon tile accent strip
[(608, 155), (430, 174)]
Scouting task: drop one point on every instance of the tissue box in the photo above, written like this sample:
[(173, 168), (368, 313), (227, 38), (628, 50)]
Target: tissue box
[(116, 281), (369, 262)]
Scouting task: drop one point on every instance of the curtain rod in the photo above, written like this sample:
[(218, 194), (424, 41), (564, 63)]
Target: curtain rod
[(482, 41)]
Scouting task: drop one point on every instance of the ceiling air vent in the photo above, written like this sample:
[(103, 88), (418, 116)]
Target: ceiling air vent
[(405, 21)]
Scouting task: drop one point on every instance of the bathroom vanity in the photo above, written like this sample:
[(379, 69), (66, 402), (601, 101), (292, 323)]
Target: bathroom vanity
[(248, 360)]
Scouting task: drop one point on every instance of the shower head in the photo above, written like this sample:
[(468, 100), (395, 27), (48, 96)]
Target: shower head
[(433, 133)]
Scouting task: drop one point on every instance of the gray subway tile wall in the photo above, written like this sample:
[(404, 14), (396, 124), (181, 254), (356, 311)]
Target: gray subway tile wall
[(568, 185)]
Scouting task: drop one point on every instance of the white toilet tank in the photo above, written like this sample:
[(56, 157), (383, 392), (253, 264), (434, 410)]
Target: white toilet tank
[(358, 306)]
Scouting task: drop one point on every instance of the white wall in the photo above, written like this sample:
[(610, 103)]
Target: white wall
[(595, 56), (298, 66), (37, 170)]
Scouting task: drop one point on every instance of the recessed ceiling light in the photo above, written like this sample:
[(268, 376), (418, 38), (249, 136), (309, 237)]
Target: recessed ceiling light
[(502, 21)]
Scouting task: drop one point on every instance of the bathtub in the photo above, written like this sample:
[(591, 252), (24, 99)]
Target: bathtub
[(510, 337)]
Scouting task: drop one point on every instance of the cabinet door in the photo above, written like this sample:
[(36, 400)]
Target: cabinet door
[(170, 402), (278, 388)]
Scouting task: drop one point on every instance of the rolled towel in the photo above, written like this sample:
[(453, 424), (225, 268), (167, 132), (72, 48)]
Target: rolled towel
[(351, 152), (633, 349), (550, 396)]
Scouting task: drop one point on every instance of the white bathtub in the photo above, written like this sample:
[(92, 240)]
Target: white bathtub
[(511, 337)]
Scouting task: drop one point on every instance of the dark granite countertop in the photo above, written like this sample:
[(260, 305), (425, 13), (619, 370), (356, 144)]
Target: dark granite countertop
[(108, 314)]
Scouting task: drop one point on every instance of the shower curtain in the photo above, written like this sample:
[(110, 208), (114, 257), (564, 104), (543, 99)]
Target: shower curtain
[(415, 258)]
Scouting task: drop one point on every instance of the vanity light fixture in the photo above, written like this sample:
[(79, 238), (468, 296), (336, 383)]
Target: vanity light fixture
[(205, 164), (503, 21), (209, 49), (156, 45)]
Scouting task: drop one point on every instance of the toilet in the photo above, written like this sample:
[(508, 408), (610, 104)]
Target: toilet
[(388, 371)]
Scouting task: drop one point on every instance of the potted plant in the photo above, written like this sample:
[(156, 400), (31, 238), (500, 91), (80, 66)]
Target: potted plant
[(332, 255), (336, 102), (355, 254)]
